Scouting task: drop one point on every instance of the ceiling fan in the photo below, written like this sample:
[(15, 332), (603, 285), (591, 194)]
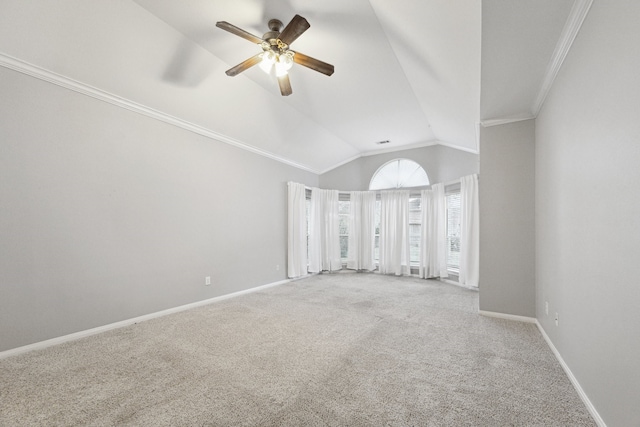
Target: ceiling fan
[(275, 51)]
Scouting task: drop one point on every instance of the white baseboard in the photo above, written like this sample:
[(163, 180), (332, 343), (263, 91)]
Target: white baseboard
[(592, 410), (455, 283), (82, 334), (508, 316)]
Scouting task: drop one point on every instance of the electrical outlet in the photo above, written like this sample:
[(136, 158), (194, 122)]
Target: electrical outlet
[(546, 308), (556, 319), (277, 267), (207, 280)]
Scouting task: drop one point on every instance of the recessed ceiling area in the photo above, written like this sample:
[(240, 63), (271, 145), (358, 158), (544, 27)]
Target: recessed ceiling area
[(412, 73)]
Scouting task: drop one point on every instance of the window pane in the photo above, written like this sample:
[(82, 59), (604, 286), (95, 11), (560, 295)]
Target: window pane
[(414, 231), (414, 204), (343, 224), (399, 173), (453, 232), (344, 244), (414, 243), (376, 251), (308, 209), (415, 217), (343, 227)]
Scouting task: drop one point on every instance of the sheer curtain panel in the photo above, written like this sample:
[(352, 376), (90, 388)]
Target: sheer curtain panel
[(297, 230), (469, 231), (362, 230), (324, 237), (394, 232), (433, 235)]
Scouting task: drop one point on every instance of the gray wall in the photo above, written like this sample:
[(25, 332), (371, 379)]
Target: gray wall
[(108, 214), (507, 222), (441, 163), (588, 210)]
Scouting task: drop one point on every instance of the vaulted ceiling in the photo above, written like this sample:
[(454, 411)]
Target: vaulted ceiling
[(415, 73)]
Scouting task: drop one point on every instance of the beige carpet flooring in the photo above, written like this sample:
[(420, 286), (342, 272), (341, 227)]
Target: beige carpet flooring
[(330, 350)]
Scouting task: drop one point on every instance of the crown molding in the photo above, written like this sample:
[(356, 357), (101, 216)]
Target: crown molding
[(40, 73), (337, 165), (576, 17), (85, 89), (381, 151), (431, 143), (400, 148), (457, 147), (505, 120)]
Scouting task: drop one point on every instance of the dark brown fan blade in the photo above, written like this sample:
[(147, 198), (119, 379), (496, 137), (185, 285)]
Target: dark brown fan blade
[(244, 65), (294, 29), (238, 31), (285, 85), (314, 64)]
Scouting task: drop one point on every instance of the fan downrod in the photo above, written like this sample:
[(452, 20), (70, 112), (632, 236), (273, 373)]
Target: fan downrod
[(275, 25)]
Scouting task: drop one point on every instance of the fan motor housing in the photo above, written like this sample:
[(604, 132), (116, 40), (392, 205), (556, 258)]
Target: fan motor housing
[(271, 37)]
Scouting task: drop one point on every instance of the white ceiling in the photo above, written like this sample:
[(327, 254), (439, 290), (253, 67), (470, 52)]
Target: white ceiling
[(415, 73)]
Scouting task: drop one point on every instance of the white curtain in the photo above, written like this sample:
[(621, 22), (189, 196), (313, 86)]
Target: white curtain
[(433, 235), (394, 232), (324, 237), (297, 230), (362, 217), (469, 231)]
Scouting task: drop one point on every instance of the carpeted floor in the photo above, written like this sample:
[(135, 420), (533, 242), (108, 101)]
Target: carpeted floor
[(330, 350)]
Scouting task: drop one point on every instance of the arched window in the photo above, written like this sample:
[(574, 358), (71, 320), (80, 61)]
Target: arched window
[(399, 173)]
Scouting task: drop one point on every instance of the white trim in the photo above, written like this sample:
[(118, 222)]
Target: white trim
[(457, 147), (572, 26), (585, 399), (504, 121), (574, 22), (401, 148), (432, 143), (382, 151), (32, 70), (337, 165), (121, 324), (85, 89), (507, 316), (458, 284)]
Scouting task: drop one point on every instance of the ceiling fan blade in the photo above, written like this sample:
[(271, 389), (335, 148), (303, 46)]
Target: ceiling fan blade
[(244, 65), (285, 85), (314, 64), (238, 32), (294, 29)]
